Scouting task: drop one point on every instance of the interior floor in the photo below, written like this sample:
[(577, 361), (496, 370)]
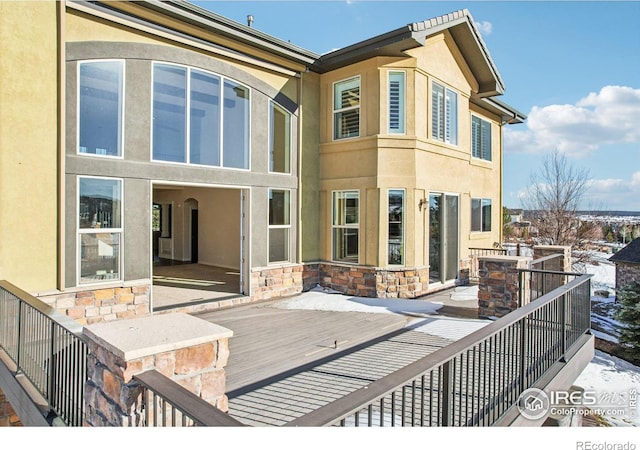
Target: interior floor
[(178, 283)]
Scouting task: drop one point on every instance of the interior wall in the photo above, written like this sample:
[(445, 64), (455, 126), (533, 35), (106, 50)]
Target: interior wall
[(218, 224)]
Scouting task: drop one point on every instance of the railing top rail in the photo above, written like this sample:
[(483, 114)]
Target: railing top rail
[(186, 401), (61, 319), (353, 402), (546, 258), (552, 272)]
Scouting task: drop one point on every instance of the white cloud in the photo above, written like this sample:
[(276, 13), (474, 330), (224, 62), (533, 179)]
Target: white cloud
[(607, 117), (484, 27), (614, 193)]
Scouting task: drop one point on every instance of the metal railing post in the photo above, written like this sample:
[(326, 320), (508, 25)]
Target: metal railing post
[(563, 320), (523, 359), (446, 394)]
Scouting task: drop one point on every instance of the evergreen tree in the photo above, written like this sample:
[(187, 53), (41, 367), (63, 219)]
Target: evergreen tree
[(629, 315)]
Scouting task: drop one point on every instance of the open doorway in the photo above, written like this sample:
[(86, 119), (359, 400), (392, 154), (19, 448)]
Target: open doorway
[(197, 246)]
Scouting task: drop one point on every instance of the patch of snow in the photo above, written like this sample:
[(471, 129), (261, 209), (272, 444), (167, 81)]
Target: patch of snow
[(321, 301), (447, 327), (465, 293), (604, 336), (615, 382)]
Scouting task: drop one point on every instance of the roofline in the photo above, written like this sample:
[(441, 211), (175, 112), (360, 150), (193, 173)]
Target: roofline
[(510, 115), (189, 13), (413, 35)]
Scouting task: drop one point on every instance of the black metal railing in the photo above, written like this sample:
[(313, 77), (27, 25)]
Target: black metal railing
[(475, 380), (167, 404), (544, 276), (474, 253), (48, 348)]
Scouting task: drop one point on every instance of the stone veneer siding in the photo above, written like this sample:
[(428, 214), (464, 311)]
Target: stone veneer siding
[(102, 305), (368, 281), (499, 287), (626, 273), (8, 417), (276, 282), (113, 398)]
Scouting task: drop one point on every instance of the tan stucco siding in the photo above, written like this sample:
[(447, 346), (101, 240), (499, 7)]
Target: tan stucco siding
[(80, 27), (28, 144)]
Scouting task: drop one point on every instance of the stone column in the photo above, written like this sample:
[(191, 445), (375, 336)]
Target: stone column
[(191, 351), (499, 287)]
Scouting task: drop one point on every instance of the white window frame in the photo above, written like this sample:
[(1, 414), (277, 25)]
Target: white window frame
[(402, 113), (350, 108), (122, 108), (481, 150), (443, 128), (188, 119), (483, 202), (403, 228), (81, 231), (352, 226), (279, 227), (274, 105)]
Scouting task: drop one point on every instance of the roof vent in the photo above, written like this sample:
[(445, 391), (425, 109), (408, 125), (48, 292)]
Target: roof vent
[(249, 20)]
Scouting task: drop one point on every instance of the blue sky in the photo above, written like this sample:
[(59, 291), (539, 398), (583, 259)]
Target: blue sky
[(573, 67)]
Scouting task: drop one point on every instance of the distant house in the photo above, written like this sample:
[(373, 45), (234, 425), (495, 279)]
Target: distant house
[(515, 214), (627, 263)]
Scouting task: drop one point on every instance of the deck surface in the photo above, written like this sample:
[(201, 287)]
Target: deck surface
[(284, 363)]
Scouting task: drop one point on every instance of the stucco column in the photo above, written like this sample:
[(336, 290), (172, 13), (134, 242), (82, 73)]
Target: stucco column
[(499, 287), (191, 351)]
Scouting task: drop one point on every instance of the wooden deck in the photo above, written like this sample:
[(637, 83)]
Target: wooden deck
[(284, 363)]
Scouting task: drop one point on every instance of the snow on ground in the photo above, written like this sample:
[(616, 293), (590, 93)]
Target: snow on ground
[(319, 299), (423, 314), (615, 383), (603, 299)]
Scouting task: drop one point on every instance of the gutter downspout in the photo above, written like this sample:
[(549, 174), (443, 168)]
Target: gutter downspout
[(61, 94), (299, 170)]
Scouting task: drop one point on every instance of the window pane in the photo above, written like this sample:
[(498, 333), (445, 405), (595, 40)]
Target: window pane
[(475, 137), (347, 94), (279, 202), (396, 227), (279, 146), (100, 113), (99, 257), (235, 126), (345, 208), (278, 244), (437, 110), (451, 117), (169, 113), (346, 105), (476, 215), (486, 140), (345, 244), (347, 124), (100, 203), (486, 215), (396, 102), (205, 119)]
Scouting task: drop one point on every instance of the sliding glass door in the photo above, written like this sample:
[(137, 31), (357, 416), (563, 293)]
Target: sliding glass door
[(443, 237)]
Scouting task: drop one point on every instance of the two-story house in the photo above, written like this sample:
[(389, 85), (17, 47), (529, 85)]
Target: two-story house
[(141, 133)]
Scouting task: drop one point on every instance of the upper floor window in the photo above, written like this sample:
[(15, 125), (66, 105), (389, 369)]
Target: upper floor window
[(480, 214), (346, 108), (480, 138), (396, 102), (346, 226), (279, 139), (444, 121), (100, 111), (99, 229), (199, 118)]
